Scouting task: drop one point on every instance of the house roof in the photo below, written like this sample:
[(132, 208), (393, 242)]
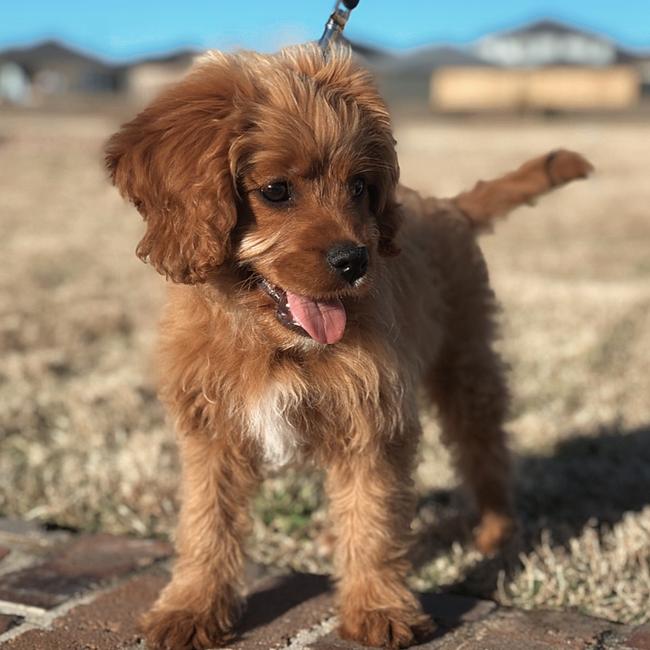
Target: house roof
[(548, 26), (51, 53)]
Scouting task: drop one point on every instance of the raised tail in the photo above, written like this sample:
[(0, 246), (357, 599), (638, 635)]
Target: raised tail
[(490, 200)]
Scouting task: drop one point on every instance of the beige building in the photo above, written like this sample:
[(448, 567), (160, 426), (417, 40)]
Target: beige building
[(555, 88), (544, 66), (144, 80)]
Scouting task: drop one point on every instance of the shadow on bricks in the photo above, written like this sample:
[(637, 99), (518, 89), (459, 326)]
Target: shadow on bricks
[(284, 593)]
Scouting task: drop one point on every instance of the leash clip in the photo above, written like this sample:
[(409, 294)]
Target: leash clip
[(336, 23)]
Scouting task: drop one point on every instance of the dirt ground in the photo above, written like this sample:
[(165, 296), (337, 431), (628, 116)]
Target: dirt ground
[(84, 443)]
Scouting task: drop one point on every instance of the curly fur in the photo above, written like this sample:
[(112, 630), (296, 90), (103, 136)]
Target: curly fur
[(246, 391)]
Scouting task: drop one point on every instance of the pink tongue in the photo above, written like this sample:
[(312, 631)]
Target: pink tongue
[(323, 320)]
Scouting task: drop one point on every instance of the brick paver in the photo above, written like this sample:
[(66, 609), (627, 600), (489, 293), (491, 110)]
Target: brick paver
[(639, 638), (281, 606), (60, 591), (515, 630), (7, 621), (77, 566), (107, 623)]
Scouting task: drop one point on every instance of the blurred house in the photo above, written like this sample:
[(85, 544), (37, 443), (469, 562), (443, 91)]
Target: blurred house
[(144, 79), (51, 69), (641, 63), (15, 87), (546, 43), (404, 78), (551, 88), (545, 66)]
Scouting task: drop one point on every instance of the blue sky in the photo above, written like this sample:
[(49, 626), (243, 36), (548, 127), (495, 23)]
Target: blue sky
[(122, 29)]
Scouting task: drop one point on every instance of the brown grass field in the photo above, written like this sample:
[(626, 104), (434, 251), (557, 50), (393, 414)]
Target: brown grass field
[(84, 443)]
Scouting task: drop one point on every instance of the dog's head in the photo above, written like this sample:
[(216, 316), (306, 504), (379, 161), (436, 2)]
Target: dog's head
[(279, 169)]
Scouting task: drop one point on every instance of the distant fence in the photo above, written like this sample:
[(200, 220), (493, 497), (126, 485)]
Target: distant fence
[(569, 88)]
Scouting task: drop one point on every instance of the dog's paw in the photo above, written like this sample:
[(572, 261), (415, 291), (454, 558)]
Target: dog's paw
[(169, 629), (386, 628), (493, 531), (564, 166)]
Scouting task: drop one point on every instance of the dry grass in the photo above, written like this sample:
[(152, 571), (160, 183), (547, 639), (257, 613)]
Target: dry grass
[(83, 441)]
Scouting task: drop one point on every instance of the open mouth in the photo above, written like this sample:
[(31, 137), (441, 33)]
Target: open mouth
[(322, 320)]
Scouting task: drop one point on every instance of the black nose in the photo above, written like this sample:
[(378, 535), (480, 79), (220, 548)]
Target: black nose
[(349, 261)]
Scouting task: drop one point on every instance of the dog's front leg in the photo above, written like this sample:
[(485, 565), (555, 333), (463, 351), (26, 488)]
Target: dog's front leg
[(203, 600), (371, 506)]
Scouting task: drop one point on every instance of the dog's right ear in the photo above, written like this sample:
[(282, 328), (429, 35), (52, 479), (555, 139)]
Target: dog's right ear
[(172, 162)]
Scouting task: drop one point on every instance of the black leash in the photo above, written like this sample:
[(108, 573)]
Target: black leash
[(336, 23)]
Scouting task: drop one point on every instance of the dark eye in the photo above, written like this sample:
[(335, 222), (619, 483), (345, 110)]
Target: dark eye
[(276, 192), (357, 187)]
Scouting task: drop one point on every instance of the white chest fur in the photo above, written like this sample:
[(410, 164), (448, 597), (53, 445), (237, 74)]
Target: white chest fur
[(268, 422)]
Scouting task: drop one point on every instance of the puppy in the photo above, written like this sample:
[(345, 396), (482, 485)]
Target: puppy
[(310, 299)]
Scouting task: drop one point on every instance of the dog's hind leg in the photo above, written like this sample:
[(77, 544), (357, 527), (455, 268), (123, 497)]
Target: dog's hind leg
[(469, 390), (467, 384), (490, 200)]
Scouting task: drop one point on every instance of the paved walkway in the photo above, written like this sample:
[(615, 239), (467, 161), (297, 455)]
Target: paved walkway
[(61, 591)]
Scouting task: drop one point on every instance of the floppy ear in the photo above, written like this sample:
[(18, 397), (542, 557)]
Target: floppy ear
[(172, 163), (382, 196), (389, 222), (380, 159)]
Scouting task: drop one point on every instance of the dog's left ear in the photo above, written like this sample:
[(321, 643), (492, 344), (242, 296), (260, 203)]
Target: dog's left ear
[(380, 151), (172, 163), (383, 168), (389, 223), (387, 210)]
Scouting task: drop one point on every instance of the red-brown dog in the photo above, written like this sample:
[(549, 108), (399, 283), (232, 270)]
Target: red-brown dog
[(311, 297)]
